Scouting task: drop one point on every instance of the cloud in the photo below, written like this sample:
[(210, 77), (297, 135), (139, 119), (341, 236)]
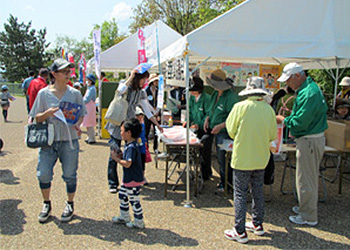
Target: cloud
[(30, 8), (121, 11)]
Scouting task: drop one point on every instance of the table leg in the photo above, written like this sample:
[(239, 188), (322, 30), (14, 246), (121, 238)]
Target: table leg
[(342, 164), (226, 173), (166, 178)]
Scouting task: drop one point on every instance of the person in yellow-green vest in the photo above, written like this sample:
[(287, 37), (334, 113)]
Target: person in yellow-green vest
[(252, 125), (221, 103), (307, 124)]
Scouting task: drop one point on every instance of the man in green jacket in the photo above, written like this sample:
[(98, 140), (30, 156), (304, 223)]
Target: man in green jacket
[(307, 123)]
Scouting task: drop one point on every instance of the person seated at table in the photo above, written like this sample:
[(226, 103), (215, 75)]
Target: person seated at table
[(221, 103), (345, 88), (252, 125), (199, 109), (342, 109), (178, 94)]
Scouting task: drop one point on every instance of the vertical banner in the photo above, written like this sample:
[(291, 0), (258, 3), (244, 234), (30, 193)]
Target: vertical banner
[(151, 44), (97, 51), (71, 59), (82, 69), (141, 51), (160, 100)]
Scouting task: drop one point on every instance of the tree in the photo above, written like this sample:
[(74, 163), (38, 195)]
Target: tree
[(181, 15), (109, 34), (22, 49), (326, 82), (71, 45)]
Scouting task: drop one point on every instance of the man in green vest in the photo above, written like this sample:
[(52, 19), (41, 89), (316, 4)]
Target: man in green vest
[(307, 124)]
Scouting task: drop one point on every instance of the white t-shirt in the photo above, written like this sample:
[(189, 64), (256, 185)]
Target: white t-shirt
[(46, 99)]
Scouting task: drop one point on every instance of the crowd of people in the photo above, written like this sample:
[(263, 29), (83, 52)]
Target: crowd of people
[(221, 115)]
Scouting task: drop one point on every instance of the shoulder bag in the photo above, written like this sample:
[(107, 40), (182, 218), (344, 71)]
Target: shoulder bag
[(39, 135), (117, 109)]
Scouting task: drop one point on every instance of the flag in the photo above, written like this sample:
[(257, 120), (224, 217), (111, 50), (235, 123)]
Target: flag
[(97, 52), (71, 59), (82, 69), (62, 53), (141, 51)]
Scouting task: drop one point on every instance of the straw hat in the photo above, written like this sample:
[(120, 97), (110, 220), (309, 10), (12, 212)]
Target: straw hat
[(153, 77), (218, 80)]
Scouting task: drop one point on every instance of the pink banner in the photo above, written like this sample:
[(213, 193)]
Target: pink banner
[(141, 52)]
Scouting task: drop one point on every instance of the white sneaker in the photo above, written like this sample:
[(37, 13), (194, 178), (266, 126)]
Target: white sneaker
[(233, 235), (300, 221), (257, 230), (136, 224), (295, 209), (121, 220)]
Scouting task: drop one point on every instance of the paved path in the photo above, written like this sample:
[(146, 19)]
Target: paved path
[(169, 224)]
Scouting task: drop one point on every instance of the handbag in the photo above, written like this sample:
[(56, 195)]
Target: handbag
[(39, 135), (117, 109), (148, 155)]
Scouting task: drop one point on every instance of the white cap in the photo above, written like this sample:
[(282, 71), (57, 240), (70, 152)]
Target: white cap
[(345, 81), (288, 70), (138, 111)]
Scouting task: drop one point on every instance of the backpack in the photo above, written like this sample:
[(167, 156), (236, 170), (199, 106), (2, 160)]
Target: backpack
[(282, 111)]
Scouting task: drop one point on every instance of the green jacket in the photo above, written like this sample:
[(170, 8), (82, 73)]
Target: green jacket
[(199, 110), (220, 110), (309, 115)]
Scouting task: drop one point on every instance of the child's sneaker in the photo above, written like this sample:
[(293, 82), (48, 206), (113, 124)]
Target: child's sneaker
[(68, 212), (45, 212), (136, 224), (233, 235), (121, 220), (257, 230), (295, 209)]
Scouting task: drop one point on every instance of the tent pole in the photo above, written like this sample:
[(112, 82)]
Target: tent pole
[(194, 70), (187, 77), (336, 83)]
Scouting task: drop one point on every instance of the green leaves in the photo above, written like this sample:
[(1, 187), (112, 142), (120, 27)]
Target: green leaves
[(22, 49)]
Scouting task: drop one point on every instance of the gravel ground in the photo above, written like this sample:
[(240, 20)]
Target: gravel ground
[(168, 223)]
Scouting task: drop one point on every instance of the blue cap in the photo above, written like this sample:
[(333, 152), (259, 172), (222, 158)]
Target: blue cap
[(4, 87), (91, 77)]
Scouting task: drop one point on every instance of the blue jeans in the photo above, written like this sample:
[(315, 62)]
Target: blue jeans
[(241, 180), (69, 158), (112, 168), (221, 156)]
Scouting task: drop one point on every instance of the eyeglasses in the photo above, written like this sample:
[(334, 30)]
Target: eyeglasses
[(65, 72)]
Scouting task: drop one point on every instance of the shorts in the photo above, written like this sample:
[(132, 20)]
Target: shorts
[(69, 159)]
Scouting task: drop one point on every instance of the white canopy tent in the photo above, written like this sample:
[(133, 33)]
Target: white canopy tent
[(124, 54), (314, 33)]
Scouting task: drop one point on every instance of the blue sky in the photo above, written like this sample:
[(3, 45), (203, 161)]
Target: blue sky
[(74, 18)]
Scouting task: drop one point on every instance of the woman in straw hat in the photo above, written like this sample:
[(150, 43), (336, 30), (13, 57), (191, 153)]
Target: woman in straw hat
[(221, 103)]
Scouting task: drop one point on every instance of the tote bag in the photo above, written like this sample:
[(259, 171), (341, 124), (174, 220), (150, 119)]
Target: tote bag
[(117, 109), (39, 135)]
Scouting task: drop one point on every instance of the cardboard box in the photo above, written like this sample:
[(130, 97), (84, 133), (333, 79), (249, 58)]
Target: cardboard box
[(338, 135)]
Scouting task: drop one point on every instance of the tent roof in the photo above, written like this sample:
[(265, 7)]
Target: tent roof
[(273, 32), (124, 54)]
